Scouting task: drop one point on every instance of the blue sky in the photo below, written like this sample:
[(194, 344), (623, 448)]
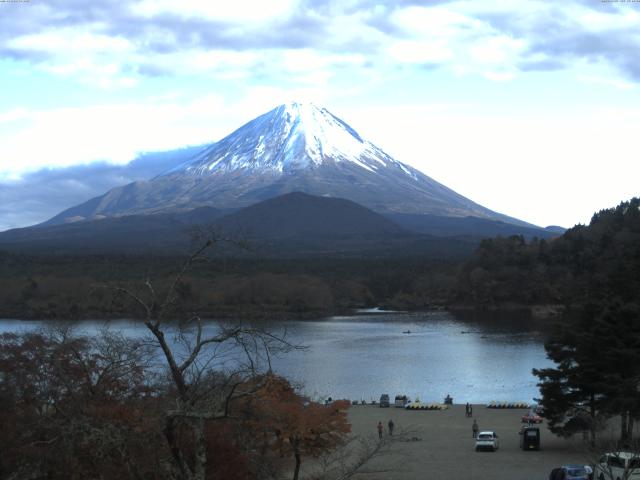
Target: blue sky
[(529, 108)]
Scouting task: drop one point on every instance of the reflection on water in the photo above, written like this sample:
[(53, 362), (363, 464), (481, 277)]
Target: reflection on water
[(360, 357)]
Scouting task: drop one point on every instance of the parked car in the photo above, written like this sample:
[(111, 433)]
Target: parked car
[(615, 465), (487, 441), (384, 400), (531, 417), (530, 438), (569, 472)]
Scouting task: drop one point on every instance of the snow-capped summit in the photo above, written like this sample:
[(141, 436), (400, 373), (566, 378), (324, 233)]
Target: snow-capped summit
[(294, 147), (290, 137)]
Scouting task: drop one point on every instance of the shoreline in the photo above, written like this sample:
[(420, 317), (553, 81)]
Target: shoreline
[(538, 313)]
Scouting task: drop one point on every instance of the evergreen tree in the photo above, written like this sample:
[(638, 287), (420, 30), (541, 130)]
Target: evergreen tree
[(573, 391), (597, 373), (619, 329)]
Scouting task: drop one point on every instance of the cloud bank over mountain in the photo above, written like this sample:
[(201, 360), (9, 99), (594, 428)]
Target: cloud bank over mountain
[(41, 194)]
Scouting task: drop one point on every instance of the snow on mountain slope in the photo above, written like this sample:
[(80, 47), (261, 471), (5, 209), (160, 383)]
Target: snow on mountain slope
[(290, 137)]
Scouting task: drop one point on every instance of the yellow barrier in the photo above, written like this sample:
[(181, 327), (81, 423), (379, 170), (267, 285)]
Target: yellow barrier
[(495, 404), (426, 406)]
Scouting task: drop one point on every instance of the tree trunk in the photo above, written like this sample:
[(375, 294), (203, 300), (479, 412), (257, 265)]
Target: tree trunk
[(178, 459), (176, 374), (296, 455), (201, 449), (624, 428), (593, 426), (626, 433)]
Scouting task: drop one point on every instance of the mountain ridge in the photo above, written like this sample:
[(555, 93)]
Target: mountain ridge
[(294, 147), (292, 225), (298, 214)]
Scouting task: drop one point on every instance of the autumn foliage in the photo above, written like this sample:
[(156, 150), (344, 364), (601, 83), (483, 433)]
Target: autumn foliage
[(73, 407), (70, 406), (293, 425)]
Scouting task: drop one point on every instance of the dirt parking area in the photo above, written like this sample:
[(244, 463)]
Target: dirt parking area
[(444, 448)]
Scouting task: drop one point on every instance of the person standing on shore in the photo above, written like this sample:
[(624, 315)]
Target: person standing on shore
[(474, 429), (380, 428), (470, 410), (391, 425)]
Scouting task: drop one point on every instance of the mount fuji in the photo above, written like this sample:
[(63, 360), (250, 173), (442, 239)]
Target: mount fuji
[(297, 147)]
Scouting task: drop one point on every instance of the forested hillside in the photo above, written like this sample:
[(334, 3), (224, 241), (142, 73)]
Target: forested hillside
[(74, 287), (601, 259)]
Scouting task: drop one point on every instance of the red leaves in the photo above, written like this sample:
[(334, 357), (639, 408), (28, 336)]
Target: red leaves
[(68, 406), (76, 407), (298, 425)]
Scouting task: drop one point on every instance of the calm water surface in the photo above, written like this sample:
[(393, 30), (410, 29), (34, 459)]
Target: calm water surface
[(362, 356)]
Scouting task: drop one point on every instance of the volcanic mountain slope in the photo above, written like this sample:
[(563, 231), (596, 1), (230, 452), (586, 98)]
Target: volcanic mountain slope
[(294, 147), (289, 226), (300, 215), (166, 232)]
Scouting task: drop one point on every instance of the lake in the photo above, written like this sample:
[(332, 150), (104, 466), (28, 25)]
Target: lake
[(361, 356)]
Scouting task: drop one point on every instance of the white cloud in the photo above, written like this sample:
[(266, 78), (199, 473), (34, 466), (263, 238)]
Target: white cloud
[(498, 49), (460, 35), (70, 42), (202, 61), (609, 81), (70, 136), (411, 51), (239, 11), (433, 21), (439, 35), (14, 115), (499, 76), (86, 57), (605, 21)]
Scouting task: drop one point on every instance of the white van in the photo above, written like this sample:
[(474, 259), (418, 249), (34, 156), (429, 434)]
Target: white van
[(487, 441), (618, 466)]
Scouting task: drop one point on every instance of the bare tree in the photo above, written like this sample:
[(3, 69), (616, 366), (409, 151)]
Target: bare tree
[(194, 357), (357, 457)]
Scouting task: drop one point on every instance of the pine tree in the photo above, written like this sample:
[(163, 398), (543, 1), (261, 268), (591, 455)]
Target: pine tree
[(597, 373), (573, 392)]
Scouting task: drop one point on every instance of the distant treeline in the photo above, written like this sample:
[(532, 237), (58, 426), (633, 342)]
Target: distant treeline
[(603, 257), (85, 286)]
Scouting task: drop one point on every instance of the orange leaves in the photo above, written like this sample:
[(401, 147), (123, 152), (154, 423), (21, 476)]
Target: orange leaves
[(296, 424)]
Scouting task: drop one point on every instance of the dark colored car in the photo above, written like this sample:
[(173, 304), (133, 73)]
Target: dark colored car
[(384, 400), (530, 438)]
